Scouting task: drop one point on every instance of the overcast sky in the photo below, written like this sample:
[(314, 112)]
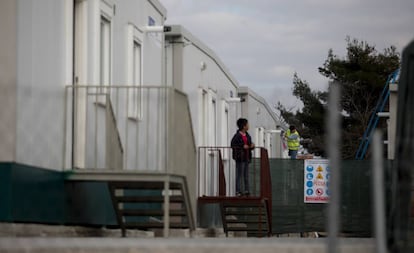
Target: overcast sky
[(263, 42)]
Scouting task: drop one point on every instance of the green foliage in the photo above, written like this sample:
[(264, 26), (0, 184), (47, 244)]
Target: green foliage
[(309, 121), (361, 74)]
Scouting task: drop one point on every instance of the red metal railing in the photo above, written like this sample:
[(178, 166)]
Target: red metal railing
[(217, 172), (217, 176), (222, 177)]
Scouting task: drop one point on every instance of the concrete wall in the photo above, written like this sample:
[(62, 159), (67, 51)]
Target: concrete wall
[(182, 151), (8, 76)]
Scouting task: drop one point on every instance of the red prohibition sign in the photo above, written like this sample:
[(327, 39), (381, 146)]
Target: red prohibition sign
[(319, 191)]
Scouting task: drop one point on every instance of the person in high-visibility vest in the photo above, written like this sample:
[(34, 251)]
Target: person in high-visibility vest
[(293, 139)]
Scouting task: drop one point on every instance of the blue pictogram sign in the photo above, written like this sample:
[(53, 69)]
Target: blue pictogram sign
[(309, 168)]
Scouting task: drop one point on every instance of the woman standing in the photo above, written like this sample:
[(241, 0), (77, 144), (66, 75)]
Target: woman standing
[(242, 146)]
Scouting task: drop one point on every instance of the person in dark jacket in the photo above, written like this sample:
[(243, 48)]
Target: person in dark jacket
[(242, 146)]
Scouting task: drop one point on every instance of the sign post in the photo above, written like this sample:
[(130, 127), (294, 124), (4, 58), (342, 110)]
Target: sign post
[(316, 180)]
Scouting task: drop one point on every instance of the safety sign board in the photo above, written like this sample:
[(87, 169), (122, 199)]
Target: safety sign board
[(316, 179)]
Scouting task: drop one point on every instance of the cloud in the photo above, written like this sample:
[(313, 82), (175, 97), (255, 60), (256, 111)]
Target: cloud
[(282, 71), (263, 42)]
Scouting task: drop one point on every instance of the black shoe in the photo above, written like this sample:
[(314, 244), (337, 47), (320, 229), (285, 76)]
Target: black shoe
[(246, 193), (239, 194)]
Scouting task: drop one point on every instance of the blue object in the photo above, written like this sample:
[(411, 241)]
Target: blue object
[(373, 121)]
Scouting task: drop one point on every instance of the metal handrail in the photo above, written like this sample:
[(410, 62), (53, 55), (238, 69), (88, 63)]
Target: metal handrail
[(222, 178), (116, 152), (153, 115), (217, 156), (373, 121), (187, 203), (265, 185), (206, 168), (119, 98)]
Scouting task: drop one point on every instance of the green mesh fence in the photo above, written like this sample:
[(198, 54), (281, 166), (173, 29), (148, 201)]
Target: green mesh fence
[(292, 215)]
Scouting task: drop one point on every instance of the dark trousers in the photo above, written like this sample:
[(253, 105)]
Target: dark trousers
[(293, 154), (242, 177)]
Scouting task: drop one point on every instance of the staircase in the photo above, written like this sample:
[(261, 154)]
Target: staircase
[(251, 214), (248, 215), (155, 204), (375, 116)]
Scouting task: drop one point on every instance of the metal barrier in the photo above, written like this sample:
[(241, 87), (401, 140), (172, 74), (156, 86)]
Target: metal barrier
[(114, 149), (133, 128), (216, 180), (106, 122), (217, 172)]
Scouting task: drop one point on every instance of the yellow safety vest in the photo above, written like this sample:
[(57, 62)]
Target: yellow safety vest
[(293, 144)]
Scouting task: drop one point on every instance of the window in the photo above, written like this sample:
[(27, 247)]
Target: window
[(134, 78), (135, 94), (105, 51), (151, 21)]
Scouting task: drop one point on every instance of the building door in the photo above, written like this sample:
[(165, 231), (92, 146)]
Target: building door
[(92, 66)]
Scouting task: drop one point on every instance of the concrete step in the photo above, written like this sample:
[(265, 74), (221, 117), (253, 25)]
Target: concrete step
[(148, 199), (145, 225), (256, 221), (143, 185), (150, 212), (41, 230), (181, 245), (245, 212)]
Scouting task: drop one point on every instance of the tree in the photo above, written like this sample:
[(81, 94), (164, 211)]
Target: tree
[(310, 120), (361, 74)]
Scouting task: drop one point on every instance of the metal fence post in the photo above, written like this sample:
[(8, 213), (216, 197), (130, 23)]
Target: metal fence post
[(378, 194), (333, 128)]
